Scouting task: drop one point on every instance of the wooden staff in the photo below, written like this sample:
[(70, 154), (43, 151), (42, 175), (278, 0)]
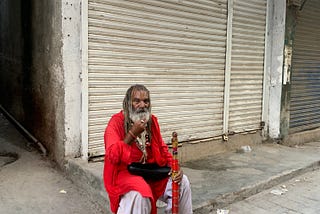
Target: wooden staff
[(175, 170)]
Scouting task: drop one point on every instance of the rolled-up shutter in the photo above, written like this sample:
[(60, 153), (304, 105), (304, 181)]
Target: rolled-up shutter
[(175, 48), (305, 88), (247, 65)]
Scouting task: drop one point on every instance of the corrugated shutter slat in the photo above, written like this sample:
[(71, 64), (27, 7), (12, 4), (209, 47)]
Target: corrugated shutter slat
[(247, 57), (305, 89), (177, 49)]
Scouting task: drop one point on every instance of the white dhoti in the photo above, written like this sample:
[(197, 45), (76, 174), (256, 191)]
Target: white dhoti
[(133, 203)]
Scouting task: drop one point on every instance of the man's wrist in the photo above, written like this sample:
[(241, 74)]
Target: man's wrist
[(132, 135)]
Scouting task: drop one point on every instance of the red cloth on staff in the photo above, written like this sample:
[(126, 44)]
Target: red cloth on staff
[(118, 155)]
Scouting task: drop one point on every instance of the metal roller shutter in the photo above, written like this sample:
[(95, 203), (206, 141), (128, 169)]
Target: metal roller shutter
[(305, 88), (175, 48), (247, 65)]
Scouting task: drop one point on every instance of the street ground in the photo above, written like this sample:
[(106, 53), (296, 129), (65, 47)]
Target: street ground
[(300, 195), (32, 184)]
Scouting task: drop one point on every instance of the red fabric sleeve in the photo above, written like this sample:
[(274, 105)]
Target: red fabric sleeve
[(117, 150)]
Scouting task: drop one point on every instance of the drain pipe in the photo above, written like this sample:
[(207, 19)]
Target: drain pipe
[(28, 134)]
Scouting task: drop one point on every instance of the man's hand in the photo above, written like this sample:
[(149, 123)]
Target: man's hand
[(178, 177), (138, 127)]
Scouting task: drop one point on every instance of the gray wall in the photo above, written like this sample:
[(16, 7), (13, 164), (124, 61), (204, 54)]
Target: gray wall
[(31, 73), (276, 21)]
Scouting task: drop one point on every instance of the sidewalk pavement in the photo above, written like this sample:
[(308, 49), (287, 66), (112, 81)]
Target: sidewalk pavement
[(300, 195), (31, 184), (233, 177), (222, 179)]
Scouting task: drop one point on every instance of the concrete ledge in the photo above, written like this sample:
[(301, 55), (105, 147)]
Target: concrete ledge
[(196, 150), (302, 137), (88, 176)]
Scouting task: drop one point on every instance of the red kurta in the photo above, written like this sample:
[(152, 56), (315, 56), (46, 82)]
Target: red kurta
[(118, 155)]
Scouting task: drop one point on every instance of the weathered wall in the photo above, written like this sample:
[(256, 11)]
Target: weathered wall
[(72, 66), (32, 80), (276, 40), (291, 19)]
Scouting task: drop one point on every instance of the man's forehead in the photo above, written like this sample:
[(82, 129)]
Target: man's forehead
[(139, 93)]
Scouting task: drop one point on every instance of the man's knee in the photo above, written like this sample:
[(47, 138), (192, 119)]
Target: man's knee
[(137, 198), (134, 202)]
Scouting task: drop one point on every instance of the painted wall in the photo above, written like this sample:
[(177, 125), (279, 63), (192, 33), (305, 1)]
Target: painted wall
[(39, 73)]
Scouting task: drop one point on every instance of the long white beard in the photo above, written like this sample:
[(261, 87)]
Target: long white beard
[(138, 115)]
